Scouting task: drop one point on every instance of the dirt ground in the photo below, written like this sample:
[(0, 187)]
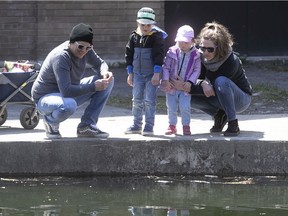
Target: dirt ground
[(256, 76), (260, 105)]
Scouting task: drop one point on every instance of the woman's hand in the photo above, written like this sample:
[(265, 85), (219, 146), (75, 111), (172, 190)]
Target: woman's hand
[(187, 87), (207, 89)]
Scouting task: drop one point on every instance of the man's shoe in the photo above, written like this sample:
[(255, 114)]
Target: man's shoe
[(89, 131), (220, 120), (171, 130), (52, 131), (233, 129), (133, 130)]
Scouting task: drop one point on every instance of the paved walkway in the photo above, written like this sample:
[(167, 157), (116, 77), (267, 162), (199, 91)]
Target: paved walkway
[(116, 120)]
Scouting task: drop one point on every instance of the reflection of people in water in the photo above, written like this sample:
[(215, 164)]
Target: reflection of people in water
[(53, 212), (184, 212), (141, 211), (146, 211), (173, 212)]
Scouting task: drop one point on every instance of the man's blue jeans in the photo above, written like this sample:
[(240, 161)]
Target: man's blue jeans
[(229, 97), (57, 108), (144, 93)]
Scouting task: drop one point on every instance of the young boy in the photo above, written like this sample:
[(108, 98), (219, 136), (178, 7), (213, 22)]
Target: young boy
[(183, 62), (144, 58)]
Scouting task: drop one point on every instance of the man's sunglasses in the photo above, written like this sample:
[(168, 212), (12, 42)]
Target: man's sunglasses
[(209, 49), (82, 47)]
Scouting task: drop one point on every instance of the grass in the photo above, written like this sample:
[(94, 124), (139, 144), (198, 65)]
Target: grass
[(121, 102), (126, 103), (270, 92), (266, 92)]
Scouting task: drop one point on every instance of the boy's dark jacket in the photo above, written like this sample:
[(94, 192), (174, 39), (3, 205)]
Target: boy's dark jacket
[(154, 41)]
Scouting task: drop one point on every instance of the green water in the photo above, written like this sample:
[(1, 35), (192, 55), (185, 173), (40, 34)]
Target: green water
[(144, 196)]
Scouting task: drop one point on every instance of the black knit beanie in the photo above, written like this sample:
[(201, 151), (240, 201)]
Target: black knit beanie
[(82, 32)]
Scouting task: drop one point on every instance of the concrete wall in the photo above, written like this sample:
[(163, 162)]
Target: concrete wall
[(30, 29), (82, 157)]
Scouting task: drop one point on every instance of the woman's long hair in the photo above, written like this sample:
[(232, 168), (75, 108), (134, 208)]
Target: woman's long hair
[(220, 36)]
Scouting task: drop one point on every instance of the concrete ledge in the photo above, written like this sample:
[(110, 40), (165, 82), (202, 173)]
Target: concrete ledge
[(260, 149), (123, 157)]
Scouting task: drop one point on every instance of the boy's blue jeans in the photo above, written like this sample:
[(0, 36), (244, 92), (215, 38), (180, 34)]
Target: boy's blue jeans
[(57, 108), (144, 93), (229, 97), (180, 100)]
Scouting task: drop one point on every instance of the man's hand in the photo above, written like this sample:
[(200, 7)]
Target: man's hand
[(108, 76), (101, 84)]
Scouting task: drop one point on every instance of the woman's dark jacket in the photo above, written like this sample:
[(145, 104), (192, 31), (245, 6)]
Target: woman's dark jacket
[(232, 68)]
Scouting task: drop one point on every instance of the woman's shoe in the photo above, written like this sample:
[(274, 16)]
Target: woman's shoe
[(233, 129), (220, 120)]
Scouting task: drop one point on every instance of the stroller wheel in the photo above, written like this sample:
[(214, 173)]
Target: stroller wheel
[(3, 117), (29, 118)]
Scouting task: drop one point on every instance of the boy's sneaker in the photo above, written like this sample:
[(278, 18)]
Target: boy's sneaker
[(220, 120), (171, 130), (186, 130), (89, 131), (52, 131), (133, 130), (148, 131)]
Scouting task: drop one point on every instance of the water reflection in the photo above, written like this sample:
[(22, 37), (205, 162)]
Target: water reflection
[(149, 211), (149, 196), (51, 213), (141, 211)]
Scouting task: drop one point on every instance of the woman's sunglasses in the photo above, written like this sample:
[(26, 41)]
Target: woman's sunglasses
[(82, 47), (209, 49)]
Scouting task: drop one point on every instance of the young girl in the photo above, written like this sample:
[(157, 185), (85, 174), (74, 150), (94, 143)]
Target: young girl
[(182, 62), (144, 58)]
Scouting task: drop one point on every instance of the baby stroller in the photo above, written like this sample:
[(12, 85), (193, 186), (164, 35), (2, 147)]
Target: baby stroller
[(16, 81)]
